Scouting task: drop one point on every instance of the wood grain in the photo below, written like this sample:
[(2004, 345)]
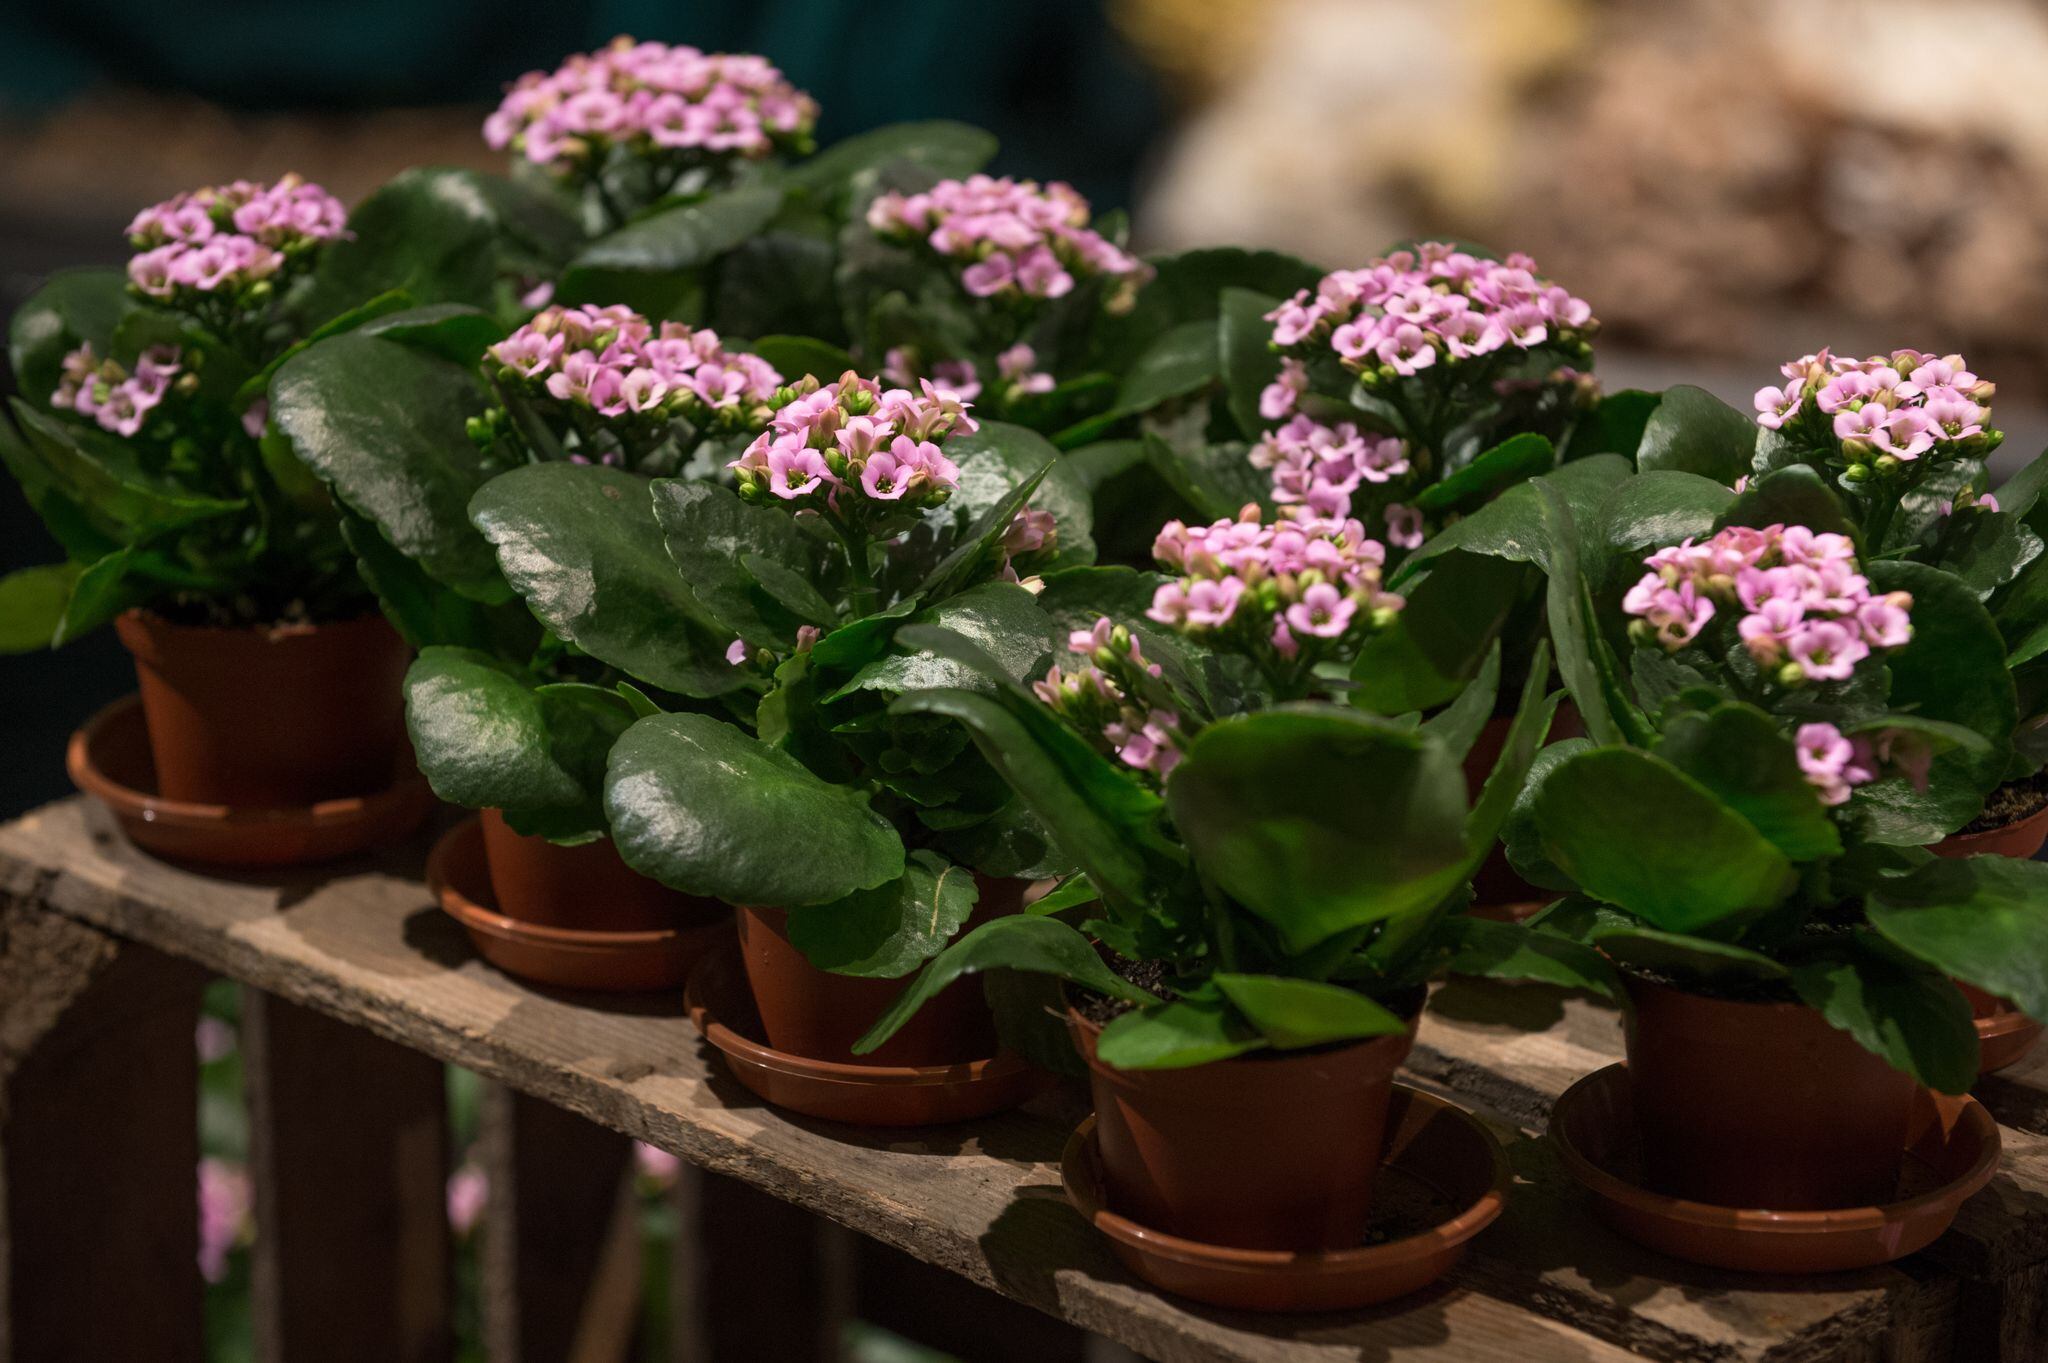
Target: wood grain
[(99, 1147), (982, 1200)]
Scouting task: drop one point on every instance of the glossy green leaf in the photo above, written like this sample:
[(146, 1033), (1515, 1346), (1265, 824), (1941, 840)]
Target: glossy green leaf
[(1001, 617), (425, 611), (1441, 638), (1519, 835), (102, 474), (1915, 1019), (1982, 919), (1176, 1035), (706, 530), (1320, 819), (480, 732), (1245, 341), (1291, 1013), (1514, 524), (32, 602), (1510, 774), (1043, 946), (942, 149), (1739, 753), (1180, 361), (1581, 652), (383, 426), (1794, 495), (671, 240), (1632, 829), (1614, 426), (1217, 480), (454, 331), (73, 307), (104, 589), (1656, 509), (1507, 951), (705, 808), (1692, 431), (891, 930), (1458, 725), (1516, 459), (796, 356)]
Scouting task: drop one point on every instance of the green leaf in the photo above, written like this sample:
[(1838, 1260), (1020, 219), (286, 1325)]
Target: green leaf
[(1043, 946), (796, 356), (1075, 892), (1953, 670), (1514, 460), (383, 425), (1320, 819), (670, 241), (704, 808), (889, 931), (1217, 480), (1794, 495), (480, 731), (102, 474), (1001, 617), (977, 544), (1176, 1036), (580, 543), (1692, 431), (993, 462), (1581, 659), (1739, 754), (1100, 814), (706, 531), (1614, 426), (426, 612), (1181, 361), (454, 331), (1458, 725), (1982, 919), (1915, 1019), (1520, 836), (73, 307), (394, 301), (103, 590), (1652, 510), (1514, 525), (442, 236), (1441, 638), (1188, 287), (1245, 340), (1632, 829), (943, 149), (1987, 549), (1291, 1013), (32, 602), (1508, 951), (1518, 752)]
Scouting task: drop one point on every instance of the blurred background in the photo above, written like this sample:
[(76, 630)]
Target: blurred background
[(1730, 182)]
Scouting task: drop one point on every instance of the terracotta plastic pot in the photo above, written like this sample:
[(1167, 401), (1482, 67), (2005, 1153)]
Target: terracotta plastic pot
[(2004, 1033), (270, 718), (589, 887), (819, 1015), (1277, 1152), (1497, 891), (1761, 1104), (2021, 839)]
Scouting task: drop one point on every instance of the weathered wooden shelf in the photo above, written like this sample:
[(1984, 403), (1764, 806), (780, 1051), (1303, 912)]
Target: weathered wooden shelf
[(363, 943)]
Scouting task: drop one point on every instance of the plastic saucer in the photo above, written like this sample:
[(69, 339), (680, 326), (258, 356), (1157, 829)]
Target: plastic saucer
[(109, 759), (860, 1095), (1951, 1151), (1443, 1179), (569, 958), (2004, 1033)]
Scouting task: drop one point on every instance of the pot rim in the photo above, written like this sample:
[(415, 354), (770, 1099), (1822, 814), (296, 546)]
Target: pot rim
[(144, 618), (464, 907)]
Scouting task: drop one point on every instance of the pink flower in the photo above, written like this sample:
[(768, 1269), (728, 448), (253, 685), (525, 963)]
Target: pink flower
[(1277, 399), (1404, 526), (1775, 406), (1323, 611), (224, 1203), (883, 479), (469, 1191), (797, 473), (736, 652), (1826, 651), (988, 277), (1824, 759)]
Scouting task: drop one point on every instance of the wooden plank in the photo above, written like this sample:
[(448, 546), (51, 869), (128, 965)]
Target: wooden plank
[(349, 1161), (982, 1199), (1517, 1048), (561, 1235), (756, 1279), (99, 1147)]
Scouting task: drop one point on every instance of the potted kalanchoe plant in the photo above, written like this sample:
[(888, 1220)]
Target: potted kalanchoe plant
[(268, 679), (1744, 852), (579, 405), (858, 508), (1277, 876), (1902, 440)]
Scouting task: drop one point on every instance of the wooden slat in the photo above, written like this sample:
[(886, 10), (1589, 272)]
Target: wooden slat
[(348, 1158), (1517, 1048), (981, 1200), (756, 1279), (932, 1307), (561, 1246), (99, 1147)]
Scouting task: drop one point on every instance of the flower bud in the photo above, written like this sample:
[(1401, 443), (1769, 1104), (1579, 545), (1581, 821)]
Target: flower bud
[(1886, 465), (1856, 473), (186, 384), (1791, 674)]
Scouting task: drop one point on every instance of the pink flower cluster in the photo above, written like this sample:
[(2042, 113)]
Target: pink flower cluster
[(830, 439), (1806, 609), (110, 395), (223, 239), (1902, 406), (619, 365), (1320, 466), (1091, 698), (1016, 369), (1018, 240), (651, 98), (1408, 311), (1306, 577), (1834, 763)]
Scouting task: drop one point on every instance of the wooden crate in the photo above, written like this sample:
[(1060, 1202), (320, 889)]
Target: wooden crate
[(95, 1023)]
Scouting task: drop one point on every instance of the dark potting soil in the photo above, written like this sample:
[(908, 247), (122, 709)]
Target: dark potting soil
[(1766, 991), (2010, 803), (246, 612)]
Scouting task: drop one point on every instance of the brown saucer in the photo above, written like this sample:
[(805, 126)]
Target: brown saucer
[(1951, 1152), (1443, 1179), (2004, 1033), (109, 759), (570, 958), (861, 1095)]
